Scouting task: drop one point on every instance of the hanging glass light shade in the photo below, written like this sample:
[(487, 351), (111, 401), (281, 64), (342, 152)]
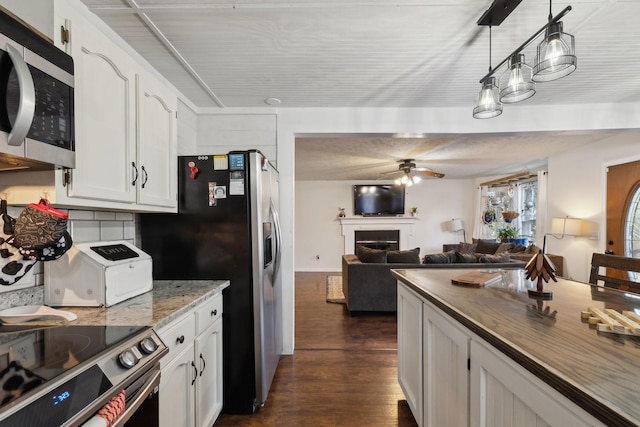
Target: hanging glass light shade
[(488, 104), (556, 56), (516, 81)]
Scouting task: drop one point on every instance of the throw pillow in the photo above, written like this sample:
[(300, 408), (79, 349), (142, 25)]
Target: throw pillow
[(504, 247), (504, 257), (487, 246), (467, 248), (518, 249), (443, 258), (466, 258), (532, 249), (368, 255), (411, 256)]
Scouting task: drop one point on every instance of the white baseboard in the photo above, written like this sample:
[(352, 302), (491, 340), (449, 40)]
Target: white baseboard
[(318, 270)]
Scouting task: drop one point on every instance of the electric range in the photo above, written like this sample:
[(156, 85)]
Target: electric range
[(62, 375)]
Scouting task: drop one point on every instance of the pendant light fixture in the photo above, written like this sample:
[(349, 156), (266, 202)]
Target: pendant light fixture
[(488, 104), (555, 59), (516, 81), (556, 56)]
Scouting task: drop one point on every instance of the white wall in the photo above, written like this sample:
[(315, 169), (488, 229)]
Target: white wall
[(318, 240), (577, 188)]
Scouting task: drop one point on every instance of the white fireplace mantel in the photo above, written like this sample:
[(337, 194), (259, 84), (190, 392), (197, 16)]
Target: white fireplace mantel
[(403, 224)]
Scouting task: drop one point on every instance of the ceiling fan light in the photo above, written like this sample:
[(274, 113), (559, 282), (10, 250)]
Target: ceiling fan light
[(516, 81), (556, 55), (488, 104), (416, 179)]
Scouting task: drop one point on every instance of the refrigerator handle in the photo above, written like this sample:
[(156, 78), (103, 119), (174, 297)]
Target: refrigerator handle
[(276, 223)]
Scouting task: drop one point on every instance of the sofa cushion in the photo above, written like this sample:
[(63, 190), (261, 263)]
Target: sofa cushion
[(369, 255), (464, 258), (487, 246), (411, 256), (443, 258), (492, 259)]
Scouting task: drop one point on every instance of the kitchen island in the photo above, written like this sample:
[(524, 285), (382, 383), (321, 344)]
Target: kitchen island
[(493, 356)]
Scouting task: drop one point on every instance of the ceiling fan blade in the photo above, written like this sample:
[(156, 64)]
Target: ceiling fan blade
[(429, 173)]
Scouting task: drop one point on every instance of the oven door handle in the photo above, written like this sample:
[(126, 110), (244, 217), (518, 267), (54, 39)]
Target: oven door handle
[(27, 103), (145, 389)]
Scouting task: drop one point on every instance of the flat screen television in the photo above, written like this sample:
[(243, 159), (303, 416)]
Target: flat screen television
[(382, 200)]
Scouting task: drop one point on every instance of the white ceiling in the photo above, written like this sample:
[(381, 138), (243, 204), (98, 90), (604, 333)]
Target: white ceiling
[(379, 53)]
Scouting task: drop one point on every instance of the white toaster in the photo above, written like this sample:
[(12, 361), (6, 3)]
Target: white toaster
[(97, 274)]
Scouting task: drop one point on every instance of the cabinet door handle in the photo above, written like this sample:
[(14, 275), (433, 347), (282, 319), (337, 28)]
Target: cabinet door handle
[(195, 372), (135, 176), (180, 339), (204, 364), (145, 176), (214, 312)]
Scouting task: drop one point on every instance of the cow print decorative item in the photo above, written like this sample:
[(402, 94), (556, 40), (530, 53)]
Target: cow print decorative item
[(13, 264)]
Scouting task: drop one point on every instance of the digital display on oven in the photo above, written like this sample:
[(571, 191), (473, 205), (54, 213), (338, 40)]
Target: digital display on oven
[(63, 402)]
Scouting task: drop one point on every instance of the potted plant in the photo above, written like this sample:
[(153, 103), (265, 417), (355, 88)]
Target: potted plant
[(507, 233), (414, 211)]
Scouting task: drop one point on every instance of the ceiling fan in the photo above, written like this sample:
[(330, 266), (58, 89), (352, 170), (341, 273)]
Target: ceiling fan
[(410, 172)]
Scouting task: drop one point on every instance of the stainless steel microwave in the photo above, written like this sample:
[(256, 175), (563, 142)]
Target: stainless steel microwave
[(36, 100)]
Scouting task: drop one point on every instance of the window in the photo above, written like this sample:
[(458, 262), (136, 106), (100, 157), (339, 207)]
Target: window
[(632, 228)]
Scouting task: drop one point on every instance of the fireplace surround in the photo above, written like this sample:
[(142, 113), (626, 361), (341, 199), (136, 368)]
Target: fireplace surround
[(403, 225)]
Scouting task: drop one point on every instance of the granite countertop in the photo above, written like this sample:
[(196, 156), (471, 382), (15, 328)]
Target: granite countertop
[(167, 301), (598, 371)]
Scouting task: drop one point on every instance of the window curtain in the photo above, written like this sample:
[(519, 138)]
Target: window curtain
[(541, 208), (478, 225)]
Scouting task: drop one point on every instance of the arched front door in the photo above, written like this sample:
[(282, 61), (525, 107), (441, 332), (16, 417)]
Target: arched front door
[(623, 210)]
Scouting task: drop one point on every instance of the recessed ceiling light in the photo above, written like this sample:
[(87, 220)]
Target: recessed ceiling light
[(272, 101)]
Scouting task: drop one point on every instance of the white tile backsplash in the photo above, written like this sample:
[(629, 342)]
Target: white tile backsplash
[(104, 216), (85, 231), (111, 230)]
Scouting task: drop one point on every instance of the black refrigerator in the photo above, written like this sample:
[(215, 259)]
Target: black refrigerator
[(227, 228)]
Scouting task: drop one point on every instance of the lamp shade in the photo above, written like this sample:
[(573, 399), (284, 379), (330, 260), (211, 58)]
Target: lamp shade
[(556, 56), (566, 226), (488, 104), (454, 225), (516, 81)]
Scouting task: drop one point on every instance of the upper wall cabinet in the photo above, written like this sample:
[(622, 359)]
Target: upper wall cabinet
[(157, 136), (105, 113), (125, 127)]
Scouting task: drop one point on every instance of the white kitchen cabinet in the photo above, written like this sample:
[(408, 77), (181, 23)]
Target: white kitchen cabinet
[(410, 349), (105, 112), (156, 166), (446, 374), (193, 367), (209, 384), (503, 394), (456, 378), (177, 393), (125, 127)]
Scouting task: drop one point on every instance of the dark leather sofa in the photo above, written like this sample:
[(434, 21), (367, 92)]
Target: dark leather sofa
[(371, 287)]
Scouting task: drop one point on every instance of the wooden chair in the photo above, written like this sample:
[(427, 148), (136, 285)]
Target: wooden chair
[(617, 271)]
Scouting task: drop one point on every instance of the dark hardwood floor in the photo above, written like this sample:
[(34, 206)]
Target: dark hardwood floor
[(343, 371)]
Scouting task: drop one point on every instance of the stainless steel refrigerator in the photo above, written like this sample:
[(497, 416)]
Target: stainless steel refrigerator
[(227, 228)]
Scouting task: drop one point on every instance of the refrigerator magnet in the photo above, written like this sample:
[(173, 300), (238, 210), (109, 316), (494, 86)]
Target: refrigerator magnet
[(212, 197), (220, 192), (236, 183)]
